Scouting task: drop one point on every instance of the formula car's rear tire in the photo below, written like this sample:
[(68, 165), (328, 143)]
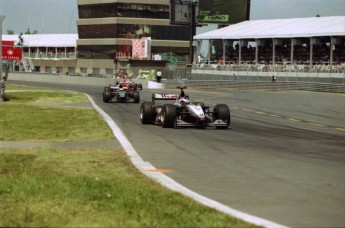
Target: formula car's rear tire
[(147, 115), (168, 116), (106, 94), (222, 111), (140, 86), (136, 97)]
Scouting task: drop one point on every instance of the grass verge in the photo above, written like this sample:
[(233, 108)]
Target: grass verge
[(46, 116), (59, 187)]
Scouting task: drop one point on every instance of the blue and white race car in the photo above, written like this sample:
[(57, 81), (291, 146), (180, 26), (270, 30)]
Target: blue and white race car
[(122, 92)]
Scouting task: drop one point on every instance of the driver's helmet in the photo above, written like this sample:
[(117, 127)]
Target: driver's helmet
[(184, 101)]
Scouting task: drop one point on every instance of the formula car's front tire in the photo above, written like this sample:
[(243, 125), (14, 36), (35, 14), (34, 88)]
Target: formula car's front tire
[(222, 111), (146, 113), (168, 116), (136, 97), (106, 94)]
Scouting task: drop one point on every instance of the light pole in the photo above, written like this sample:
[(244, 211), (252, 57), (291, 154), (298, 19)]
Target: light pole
[(1, 19), (192, 21)]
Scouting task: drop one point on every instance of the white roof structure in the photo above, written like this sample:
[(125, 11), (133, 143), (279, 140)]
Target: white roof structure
[(45, 40), (279, 28)]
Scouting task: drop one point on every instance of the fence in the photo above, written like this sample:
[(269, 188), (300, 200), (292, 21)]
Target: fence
[(248, 72), (168, 73)]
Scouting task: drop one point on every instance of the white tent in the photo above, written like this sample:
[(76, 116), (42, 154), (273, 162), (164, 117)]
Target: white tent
[(294, 28), (279, 28), (45, 40)]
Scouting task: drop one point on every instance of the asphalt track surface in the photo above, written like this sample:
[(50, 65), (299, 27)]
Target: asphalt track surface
[(282, 159)]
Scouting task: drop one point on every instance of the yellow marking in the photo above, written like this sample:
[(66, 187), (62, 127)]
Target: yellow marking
[(158, 170), (247, 110), (317, 124), (340, 129), (292, 119), (261, 113)]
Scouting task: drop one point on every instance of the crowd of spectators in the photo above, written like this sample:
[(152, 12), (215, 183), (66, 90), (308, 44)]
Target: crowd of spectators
[(301, 54)]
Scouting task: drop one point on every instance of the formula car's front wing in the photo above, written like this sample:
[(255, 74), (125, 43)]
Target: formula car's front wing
[(215, 123)]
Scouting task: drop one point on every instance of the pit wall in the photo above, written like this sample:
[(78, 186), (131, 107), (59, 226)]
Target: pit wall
[(64, 79)]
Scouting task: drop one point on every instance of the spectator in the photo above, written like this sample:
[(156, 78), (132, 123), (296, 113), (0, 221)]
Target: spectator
[(159, 76), (182, 94)]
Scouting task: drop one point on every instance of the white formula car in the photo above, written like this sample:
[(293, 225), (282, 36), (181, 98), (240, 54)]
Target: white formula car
[(183, 113)]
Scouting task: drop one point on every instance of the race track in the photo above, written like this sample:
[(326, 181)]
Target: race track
[(282, 159)]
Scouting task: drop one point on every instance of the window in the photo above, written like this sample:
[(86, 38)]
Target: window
[(96, 71), (71, 70), (109, 72), (133, 31), (137, 10), (48, 69), (96, 51), (97, 31), (83, 71)]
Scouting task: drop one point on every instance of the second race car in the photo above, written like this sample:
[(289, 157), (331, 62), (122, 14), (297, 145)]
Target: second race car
[(122, 92)]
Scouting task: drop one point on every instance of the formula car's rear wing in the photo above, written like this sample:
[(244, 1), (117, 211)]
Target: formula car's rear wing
[(164, 96)]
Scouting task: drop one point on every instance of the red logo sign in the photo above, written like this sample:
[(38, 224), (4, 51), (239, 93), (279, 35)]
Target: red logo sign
[(8, 43), (9, 53)]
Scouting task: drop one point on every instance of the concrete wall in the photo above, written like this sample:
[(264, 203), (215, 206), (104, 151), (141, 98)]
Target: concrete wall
[(49, 66), (54, 78)]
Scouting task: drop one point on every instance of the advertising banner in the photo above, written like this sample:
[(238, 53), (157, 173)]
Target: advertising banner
[(8, 43), (223, 11), (141, 48), (11, 53)]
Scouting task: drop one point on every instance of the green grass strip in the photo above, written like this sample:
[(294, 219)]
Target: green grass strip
[(47, 187), (37, 116)]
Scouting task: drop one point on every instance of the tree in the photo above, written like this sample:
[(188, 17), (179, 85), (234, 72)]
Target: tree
[(11, 32), (28, 32)]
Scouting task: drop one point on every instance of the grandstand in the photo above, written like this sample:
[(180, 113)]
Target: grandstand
[(299, 44)]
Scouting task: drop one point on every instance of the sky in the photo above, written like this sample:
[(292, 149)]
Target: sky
[(59, 16)]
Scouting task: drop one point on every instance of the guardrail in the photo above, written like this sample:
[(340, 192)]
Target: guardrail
[(265, 85), (235, 83), (230, 75)]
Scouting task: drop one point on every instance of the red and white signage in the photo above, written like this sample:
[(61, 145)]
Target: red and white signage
[(8, 43), (141, 48), (11, 53)]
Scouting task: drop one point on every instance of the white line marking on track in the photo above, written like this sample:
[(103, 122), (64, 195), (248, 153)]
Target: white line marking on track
[(170, 183)]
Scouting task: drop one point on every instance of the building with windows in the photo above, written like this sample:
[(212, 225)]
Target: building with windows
[(110, 39), (107, 29)]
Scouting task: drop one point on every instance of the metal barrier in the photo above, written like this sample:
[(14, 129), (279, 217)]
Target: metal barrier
[(168, 73), (249, 72)]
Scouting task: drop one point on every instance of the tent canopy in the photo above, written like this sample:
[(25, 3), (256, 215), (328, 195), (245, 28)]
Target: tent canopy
[(45, 40), (279, 28)]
